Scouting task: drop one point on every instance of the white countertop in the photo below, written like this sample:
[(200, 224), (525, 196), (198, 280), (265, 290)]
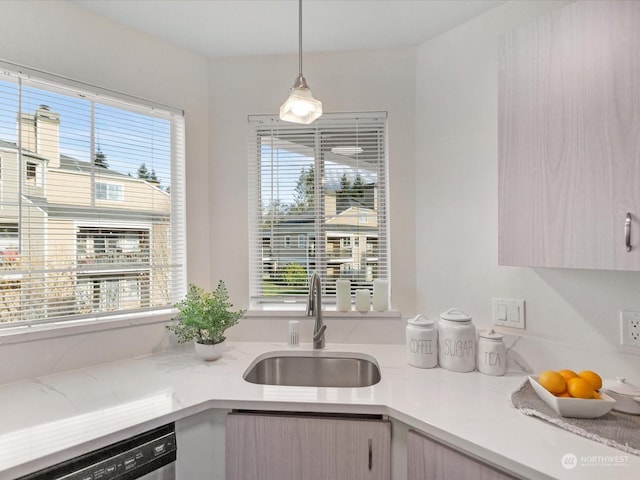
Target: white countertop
[(50, 419)]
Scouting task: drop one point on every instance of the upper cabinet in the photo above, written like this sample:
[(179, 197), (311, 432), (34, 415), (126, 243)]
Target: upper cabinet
[(569, 139)]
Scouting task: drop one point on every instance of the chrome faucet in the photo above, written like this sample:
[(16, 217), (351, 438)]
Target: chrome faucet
[(314, 307)]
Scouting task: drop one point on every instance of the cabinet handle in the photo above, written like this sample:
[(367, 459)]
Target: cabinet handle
[(627, 231), (370, 453)]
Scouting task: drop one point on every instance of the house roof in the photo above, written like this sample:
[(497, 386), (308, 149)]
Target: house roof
[(79, 212), (72, 164), (302, 222), (67, 163), (5, 144)]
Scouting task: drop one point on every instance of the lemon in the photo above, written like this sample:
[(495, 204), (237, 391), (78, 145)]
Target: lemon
[(580, 388), (552, 381), (567, 374), (593, 378)]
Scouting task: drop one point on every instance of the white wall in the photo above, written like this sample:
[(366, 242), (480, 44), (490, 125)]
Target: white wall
[(457, 218), (66, 40), (351, 81), (442, 104)]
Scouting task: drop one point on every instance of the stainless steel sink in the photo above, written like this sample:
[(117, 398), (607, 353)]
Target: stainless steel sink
[(314, 369)]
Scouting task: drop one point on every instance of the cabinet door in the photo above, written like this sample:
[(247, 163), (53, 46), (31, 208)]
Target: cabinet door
[(569, 138), (429, 460), (287, 447)]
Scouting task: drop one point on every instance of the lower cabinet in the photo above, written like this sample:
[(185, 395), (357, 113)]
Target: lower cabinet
[(430, 460), (266, 446)]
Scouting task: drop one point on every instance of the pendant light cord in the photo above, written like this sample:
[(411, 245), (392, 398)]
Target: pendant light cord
[(300, 37)]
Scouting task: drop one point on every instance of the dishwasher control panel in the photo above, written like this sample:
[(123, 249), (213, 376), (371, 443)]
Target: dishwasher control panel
[(129, 459)]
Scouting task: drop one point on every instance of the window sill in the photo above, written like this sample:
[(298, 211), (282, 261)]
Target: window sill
[(298, 311), (44, 331)]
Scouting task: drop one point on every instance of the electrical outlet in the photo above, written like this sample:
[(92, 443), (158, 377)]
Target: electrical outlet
[(630, 328)]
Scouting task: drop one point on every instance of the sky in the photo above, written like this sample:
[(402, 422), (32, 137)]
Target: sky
[(128, 139)]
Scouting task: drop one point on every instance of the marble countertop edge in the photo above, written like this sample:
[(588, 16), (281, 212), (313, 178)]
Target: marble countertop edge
[(96, 406)]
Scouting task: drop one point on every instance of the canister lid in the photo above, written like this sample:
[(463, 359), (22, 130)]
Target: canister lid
[(490, 334), (621, 386), (456, 315), (421, 321)]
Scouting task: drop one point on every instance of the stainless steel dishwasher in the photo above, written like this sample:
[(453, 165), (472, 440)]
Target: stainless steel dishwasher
[(149, 456)]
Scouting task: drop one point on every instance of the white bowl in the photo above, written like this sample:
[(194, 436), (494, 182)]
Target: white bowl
[(574, 407)]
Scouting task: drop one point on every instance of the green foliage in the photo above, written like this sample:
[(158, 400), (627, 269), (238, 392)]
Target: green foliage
[(101, 159), (356, 190), (150, 176), (305, 187), (143, 172), (205, 316), (294, 274), (274, 212)]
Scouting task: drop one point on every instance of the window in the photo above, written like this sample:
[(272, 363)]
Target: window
[(91, 213), (317, 182), (118, 246), (31, 171), (33, 174), (108, 191), (8, 245)]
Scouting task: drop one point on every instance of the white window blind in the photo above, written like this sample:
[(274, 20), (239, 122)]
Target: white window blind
[(91, 202), (324, 184)]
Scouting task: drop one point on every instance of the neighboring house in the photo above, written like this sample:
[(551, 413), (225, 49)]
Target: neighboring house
[(350, 249), (75, 238)]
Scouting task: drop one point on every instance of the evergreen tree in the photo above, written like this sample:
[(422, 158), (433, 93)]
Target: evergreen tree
[(143, 172), (150, 176), (275, 208), (304, 198), (357, 189), (100, 159), (342, 195)]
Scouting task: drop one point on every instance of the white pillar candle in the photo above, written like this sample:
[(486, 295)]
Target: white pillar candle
[(363, 300), (343, 295), (380, 295)]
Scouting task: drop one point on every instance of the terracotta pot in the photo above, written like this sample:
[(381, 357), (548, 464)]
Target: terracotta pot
[(209, 351)]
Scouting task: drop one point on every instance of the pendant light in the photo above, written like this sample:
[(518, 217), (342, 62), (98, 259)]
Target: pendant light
[(300, 107)]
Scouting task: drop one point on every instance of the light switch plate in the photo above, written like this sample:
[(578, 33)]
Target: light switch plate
[(508, 312)]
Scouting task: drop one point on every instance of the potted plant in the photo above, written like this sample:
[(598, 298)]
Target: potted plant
[(203, 317)]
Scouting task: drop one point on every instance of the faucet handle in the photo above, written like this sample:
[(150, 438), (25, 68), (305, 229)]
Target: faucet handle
[(317, 335)]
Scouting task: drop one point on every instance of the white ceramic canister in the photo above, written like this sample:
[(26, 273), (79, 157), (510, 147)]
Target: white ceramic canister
[(626, 395), (422, 342), (456, 341), (492, 353)]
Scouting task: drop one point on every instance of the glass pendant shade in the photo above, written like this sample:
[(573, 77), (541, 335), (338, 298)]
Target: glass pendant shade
[(300, 107)]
